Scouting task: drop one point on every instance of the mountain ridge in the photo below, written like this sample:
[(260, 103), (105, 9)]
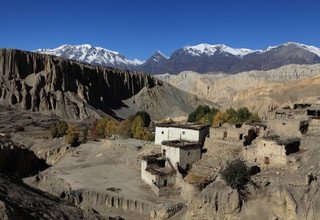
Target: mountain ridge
[(200, 58)]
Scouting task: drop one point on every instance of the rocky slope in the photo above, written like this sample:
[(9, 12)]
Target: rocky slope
[(202, 58), (259, 90), (70, 89)]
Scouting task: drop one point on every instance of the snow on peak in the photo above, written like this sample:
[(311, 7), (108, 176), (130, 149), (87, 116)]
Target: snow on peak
[(311, 49), (210, 50), (90, 54)]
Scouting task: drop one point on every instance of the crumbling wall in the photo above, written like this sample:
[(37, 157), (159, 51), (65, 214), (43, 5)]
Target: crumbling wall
[(284, 127), (266, 152)]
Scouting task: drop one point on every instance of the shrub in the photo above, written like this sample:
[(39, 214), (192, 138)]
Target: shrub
[(19, 128), (111, 127), (101, 127), (59, 129), (124, 128), (54, 131), (145, 118), (72, 137), (236, 174), (62, 128)]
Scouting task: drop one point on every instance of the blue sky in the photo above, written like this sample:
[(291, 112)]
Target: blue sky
[(137, 28)]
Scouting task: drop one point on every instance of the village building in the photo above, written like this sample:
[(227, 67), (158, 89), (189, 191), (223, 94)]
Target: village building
[(289, 122), (272, 151), (158, 172), (174, 131), (181, 154), (240, 132), (314, 111)]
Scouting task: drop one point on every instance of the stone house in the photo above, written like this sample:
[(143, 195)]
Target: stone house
[(289, 122), (245, 133), (181, 154), (158, 173), (314, 111), (272, 151), (174, 131)]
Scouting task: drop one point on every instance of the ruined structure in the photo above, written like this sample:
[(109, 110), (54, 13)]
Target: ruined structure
[(244, 133), (272, 151), (314, 110), (174, 131), (289, 122)]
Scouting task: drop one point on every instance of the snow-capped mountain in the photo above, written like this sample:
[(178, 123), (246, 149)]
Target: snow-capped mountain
[(202, 58), (210, 50), (93, 55)]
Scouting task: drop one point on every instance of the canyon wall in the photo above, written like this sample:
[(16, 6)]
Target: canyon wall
[(66, 88)]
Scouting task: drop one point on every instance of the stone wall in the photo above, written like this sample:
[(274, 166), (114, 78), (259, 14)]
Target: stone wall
[(284, 127), (266, 152)]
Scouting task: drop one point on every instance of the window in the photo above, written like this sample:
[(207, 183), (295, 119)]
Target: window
[(183, 132), (162, 132)]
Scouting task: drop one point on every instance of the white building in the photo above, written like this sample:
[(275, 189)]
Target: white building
[(159, 174), (188, 132), (181, 154)]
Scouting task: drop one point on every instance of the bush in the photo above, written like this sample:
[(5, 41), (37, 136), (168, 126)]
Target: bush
[(124, 128), (54, 131), (236, 174), (19, 128), (72, 137), (101, 127), (59, 130), (145, 118)]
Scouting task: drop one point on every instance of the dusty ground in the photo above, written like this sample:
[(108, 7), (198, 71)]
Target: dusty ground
[(109, 167)]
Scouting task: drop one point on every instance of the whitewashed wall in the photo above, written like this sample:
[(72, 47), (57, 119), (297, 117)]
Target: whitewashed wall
[(173, 154), (171, 133)]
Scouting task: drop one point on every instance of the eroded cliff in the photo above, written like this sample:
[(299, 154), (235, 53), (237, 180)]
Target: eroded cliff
[(66, 88)]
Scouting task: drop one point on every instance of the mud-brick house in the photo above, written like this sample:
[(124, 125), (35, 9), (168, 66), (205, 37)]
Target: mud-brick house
[(314, 110), (158, 172), (181, 154), (273, 151), (187, 132)]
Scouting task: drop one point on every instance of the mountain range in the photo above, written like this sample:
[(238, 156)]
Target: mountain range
[(201, 58)]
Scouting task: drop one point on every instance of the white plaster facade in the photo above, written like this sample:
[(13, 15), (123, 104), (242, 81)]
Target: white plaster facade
[(180, 156), (154, 179), (168, 133)]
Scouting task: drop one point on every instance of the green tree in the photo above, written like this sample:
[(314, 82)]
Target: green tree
[(138, 131), (145, 118), (243, 114)]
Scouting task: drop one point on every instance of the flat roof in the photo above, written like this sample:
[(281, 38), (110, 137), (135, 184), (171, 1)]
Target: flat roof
[(315, 107), (188, 125), (281, 141), (182, 144)]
